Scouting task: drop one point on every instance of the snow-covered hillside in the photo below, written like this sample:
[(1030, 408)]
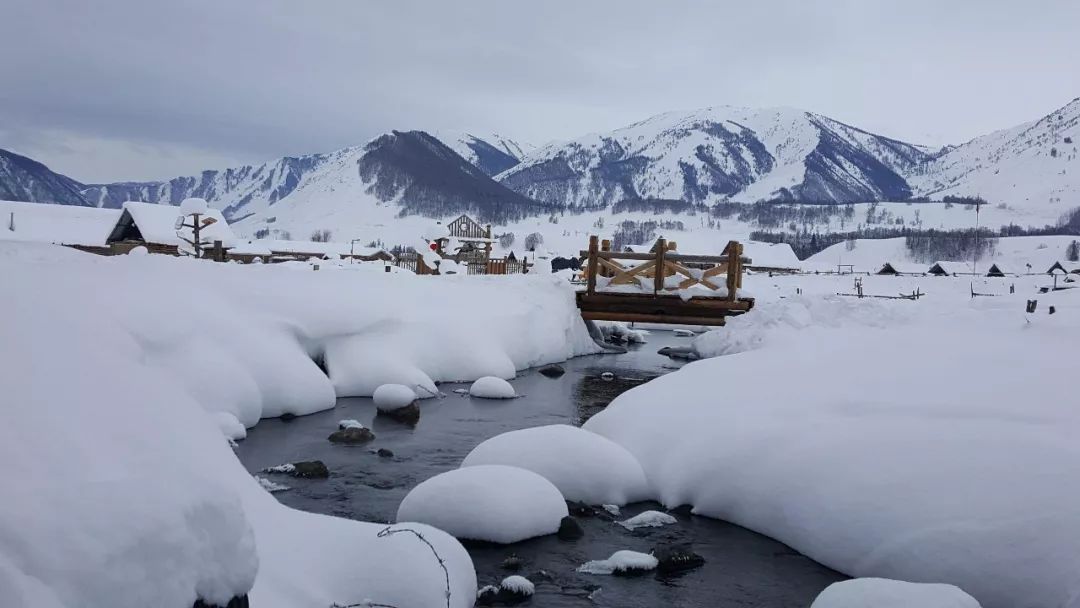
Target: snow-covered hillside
[(1030, 166), (25, 179), (492, 154), (721, 153)]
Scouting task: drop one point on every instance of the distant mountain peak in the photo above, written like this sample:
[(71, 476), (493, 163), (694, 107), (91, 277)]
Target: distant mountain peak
[(25, 179)]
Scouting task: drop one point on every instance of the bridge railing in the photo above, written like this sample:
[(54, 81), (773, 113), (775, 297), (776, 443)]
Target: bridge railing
[(662, 269)]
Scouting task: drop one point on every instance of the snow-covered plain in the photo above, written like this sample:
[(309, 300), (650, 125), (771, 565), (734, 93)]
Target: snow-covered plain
[(928, 441), (121, 375)]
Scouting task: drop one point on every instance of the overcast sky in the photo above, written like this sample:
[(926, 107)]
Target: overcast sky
[(144, 89)]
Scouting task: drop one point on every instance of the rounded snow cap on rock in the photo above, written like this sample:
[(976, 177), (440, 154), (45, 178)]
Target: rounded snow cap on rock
[(490, 387), (193, 205), (140, 250), (390, 397), (493, 503), (583, 465), (887, 593)]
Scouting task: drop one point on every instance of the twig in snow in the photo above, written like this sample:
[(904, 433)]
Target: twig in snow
[(388, 531)]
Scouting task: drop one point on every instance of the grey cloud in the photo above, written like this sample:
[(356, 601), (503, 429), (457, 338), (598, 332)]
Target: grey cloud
[(206, 81)]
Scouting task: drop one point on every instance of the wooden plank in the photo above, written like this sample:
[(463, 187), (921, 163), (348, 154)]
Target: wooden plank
[(644, 318), (590, 273)]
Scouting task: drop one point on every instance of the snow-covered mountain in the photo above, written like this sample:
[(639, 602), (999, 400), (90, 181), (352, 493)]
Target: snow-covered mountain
[(1032, 165), (25, 179), (721, 154), (416, 171), (492, 154)]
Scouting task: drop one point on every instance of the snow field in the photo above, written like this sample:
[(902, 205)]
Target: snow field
[(934, 447), (112, 461)]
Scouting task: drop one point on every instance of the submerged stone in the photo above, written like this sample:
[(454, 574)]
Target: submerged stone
[(552, 371), (569, 529), (352, 435)]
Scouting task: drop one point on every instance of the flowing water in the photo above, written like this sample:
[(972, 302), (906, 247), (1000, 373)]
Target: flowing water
[(741, 569)]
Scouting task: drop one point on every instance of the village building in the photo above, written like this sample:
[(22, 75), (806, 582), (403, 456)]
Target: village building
[(947, 269), (154, 227), (902, 269), (85, 228)]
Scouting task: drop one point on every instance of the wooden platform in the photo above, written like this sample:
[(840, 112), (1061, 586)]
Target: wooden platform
[(651, 289)]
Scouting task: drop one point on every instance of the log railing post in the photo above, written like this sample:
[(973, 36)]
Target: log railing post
[(590, 268), (733, 269), (659, 272)]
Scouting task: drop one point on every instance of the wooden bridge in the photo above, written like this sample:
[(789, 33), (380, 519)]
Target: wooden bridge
[(662, 286)]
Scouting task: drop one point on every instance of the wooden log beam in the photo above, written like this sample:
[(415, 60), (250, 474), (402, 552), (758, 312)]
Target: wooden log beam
[(590, 269), (641, 318)]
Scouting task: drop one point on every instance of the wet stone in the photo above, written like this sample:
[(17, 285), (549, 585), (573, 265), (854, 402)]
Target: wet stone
[(676, 557), (310, 469), (569, 529), (552, 371), (352, 436)]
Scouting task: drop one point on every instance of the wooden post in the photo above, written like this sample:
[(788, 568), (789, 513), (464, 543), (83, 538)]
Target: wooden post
[(733, 270), (219, 251), (659, 272), (590, 267), (605, 245)]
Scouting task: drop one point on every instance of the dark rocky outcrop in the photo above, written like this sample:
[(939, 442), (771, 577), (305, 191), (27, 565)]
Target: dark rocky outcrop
[(676, 557), (552, 371), (569, 529), (352, 436), (410, 414), (310, 469), (384, 453), (236, 602)]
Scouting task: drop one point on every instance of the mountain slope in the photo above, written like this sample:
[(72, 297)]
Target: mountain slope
[(721, 154), (25, 179), (1031, 165), (492, 154)]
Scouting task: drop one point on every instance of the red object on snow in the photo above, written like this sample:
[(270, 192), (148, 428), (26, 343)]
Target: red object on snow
[(434, 246)]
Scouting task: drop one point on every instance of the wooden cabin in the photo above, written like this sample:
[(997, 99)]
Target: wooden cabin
[(902, 269), (946, 269), (153, 226)]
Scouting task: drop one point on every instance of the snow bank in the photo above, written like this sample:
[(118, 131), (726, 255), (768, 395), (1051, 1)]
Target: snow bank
[(495, 503), (112, 461), (940, 451), (621, 562), (490, 387), (884, 593), (584, 466), (518, 584), (244, 339)]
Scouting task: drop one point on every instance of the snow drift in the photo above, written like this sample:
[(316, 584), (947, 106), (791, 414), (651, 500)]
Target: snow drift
[(942, 451), (112, 461)]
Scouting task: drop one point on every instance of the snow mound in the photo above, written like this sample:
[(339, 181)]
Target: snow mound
[(584, 466), (494, 503), (389, 397), (935, 457), (490, 387), (518, 584), (348, 423), (620, 562), (648, 519), (885, 593)]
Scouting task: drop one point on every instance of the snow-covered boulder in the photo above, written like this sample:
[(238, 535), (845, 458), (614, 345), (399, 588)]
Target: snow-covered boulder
[(495, 503), (621, 562), (885, 593), (490, 387), (584, 466), (389, 397)]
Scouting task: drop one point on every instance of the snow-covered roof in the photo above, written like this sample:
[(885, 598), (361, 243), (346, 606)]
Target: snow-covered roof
[(157, 224), (59, 224), (770, 255), (952, 267), (242, 247), (905, 267)]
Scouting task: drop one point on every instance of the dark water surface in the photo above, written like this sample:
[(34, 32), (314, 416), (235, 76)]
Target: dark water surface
[(742, 568)]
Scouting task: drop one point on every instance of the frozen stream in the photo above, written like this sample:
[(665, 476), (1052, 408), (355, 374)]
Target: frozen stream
[(742, 568)]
